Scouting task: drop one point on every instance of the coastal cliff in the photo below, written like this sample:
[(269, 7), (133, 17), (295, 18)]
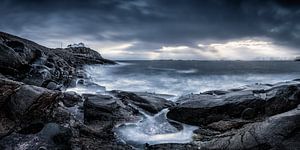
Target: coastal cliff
[(37, 113)]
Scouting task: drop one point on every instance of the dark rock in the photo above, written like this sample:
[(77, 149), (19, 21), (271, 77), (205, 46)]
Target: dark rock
[(25, 104), (32, 128), (205, 111), (10, 61), (93, 143), (51, 85), (52, 136), (215, 92), (259, 135), (7, 125), (291, 142), (206, 132), (149, 103), (227, 124), (77, 56), (98, 135), (285, 99), (98, 129), (248, 113), (70, 99), (7, 88), (34, 64), (30, 102), (63, 137), (259, 91), (105, 108), (172, 146)]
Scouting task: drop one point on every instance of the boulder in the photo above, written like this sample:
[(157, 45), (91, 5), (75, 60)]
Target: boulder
[(286, 98), (273, 133), (31, 102), (149, 103), (201, 109), (70, 99), (105, 108), (50, 136), (207, 110)]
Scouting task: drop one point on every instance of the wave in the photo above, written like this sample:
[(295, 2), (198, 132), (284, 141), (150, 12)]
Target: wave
[(162, 69), (187, 71), (168, 81), (154, 130)]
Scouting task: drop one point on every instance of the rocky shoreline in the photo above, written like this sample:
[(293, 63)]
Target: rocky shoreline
[(37, 113)]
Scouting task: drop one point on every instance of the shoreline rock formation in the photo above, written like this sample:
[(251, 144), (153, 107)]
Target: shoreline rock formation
[(36, 112)]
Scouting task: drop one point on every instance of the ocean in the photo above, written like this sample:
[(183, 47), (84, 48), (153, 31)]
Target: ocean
[(179, 77), (173, 79)]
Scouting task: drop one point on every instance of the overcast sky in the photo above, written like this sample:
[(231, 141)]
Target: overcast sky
[(161, 29)]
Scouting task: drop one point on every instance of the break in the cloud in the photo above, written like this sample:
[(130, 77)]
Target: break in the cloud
[(161, 29)]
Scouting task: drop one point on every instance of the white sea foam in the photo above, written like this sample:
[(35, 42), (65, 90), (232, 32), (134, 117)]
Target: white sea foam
[(169, 83), (154, 130), (188, 71)]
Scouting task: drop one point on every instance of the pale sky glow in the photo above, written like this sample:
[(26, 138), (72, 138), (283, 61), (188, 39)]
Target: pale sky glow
[(239, 49)]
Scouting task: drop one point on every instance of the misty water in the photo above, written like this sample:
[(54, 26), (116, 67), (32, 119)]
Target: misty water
[(184, 77), (176, 78)]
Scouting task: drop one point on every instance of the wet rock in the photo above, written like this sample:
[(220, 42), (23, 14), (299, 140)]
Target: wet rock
[(97, 144), (70, 99), (215, 92), (33, 128), (207, 110), (206, 132), (7, 125), (77, 56), (285, 99), (259, 135), (172, 146), (7, 88), (10, 61), (98, 129), (98, 135), (248, 113), (25, 104), (52, 85), (31, 102), (63, 136), (200, 109), (34, 64), (105, 108), (52, 136), (292, 142), (149, 103), (225, 125)]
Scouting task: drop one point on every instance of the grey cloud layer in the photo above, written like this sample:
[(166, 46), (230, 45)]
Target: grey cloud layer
[(154, 23)]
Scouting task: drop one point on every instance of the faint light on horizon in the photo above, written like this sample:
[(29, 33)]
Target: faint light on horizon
[(174, 48), (249, 49)]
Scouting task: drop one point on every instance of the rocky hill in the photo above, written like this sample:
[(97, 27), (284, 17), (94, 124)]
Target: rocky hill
[(31, 63)]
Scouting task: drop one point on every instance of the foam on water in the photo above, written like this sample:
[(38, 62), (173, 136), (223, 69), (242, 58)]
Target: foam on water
[(188, 71), (178, 82), (154, 130)]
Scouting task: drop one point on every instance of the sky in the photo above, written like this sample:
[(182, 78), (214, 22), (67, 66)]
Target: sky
[(161, 29)]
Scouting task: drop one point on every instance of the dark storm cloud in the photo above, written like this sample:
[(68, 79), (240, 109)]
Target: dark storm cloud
[(154, 23)]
